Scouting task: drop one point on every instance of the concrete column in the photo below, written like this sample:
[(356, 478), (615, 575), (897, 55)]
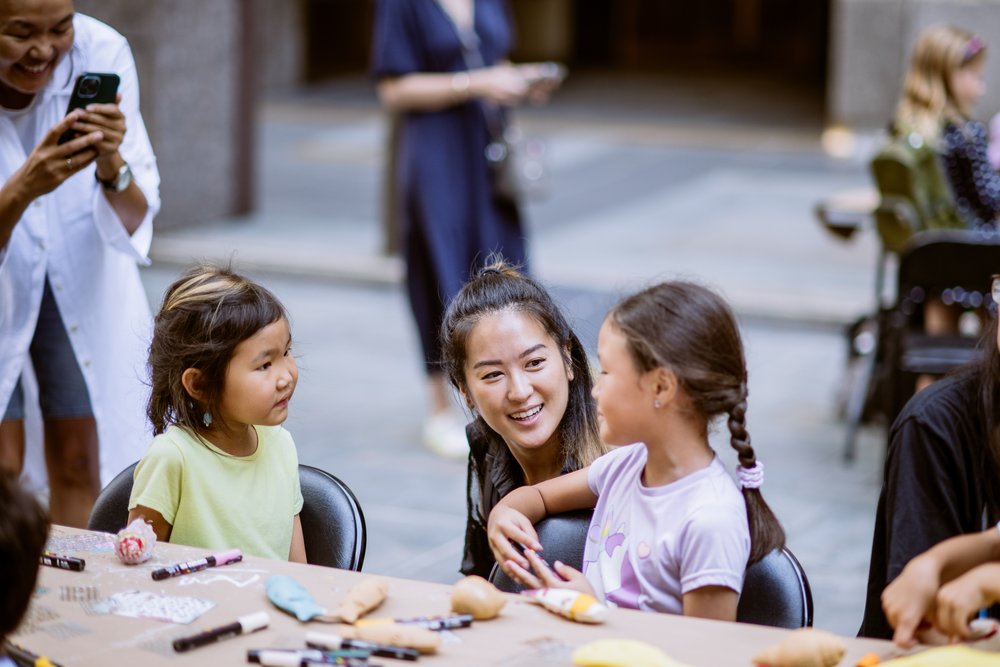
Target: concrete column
[(199, 114), (870, 43)]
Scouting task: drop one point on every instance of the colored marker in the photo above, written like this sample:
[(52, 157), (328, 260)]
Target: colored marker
[(243, 625), (323, 640), (25, 658), (276, 657), (62, 562), (429, 622), (215, 560)]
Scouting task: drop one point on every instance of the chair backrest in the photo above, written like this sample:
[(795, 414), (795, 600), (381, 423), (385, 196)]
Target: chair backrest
[(332, 522), (110, 511), (914, 195), (333, 525), (948, 259), (776, 592), (563, 537)]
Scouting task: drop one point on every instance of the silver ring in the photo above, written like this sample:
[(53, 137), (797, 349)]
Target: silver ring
[(69, 163)]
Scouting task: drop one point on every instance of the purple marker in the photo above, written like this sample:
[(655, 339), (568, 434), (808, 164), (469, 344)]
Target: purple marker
[(215, 560)]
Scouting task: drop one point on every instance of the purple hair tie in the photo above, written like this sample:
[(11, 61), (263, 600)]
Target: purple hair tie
[(972, 48), (750, 478)]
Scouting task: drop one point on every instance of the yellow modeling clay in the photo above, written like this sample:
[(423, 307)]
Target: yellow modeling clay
[(621, 653), (947, 656)]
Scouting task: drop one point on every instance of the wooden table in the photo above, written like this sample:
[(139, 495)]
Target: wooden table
[(59, 627)]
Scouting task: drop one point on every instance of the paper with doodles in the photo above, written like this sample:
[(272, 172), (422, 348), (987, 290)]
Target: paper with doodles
[(143, 604)]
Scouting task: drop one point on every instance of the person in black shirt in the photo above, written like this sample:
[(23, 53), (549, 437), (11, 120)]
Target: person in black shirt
[(942, 473)]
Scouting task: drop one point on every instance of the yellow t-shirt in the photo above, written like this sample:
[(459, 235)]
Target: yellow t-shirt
[(219, 501)]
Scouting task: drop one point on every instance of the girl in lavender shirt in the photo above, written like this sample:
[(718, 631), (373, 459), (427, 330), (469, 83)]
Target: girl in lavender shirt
[(671, 531)]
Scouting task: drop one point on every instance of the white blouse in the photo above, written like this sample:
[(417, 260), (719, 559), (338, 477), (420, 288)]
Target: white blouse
[(75, 236)]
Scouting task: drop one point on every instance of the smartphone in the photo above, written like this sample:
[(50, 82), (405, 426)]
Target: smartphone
[(547, 72), (90, 88)]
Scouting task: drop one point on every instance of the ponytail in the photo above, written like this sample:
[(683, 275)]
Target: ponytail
[(766, 533)]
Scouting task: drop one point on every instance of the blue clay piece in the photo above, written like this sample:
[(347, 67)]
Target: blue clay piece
[(288, 595)]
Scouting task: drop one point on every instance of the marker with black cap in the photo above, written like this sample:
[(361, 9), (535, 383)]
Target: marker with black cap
[(243, 625), (323, 640)]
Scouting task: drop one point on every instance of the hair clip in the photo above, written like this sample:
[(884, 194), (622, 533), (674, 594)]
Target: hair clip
[(972, 48)]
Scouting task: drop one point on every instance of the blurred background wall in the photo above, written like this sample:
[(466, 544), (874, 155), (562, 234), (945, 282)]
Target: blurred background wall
[(204, 64)]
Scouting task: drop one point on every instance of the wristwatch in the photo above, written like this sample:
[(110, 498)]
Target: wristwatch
[(120, 182)]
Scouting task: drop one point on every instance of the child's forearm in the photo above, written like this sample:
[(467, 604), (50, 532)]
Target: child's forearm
[(528, 501), (958, 555)]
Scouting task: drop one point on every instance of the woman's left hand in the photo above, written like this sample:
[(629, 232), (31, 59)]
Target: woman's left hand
[(108, 119)]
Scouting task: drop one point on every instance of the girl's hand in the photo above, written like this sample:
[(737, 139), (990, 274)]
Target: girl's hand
[(502, 84), (909, 601), (504, 526), (960, 600), (540, 575)]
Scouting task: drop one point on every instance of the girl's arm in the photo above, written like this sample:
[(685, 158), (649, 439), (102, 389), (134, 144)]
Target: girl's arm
[(513, 518), (911, 597), (714, 602), (154, 519), (297, 552)]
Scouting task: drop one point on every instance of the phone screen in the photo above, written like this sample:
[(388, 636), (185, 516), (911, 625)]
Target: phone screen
[(90, 88)]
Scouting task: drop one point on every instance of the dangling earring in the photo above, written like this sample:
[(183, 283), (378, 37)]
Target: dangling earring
[(657, 404), (206, 419)]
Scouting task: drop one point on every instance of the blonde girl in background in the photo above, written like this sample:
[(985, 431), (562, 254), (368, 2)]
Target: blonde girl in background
[(671, 532), (942, 87), (221, 471)]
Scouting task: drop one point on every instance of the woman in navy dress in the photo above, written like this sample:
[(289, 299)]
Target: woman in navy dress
[(453, 221)]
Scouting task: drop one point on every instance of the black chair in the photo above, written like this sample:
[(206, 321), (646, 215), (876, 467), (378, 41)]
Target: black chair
[(955, 267), (333, 525), (775, 590), (776, 593), (913, 197), (563, 536)]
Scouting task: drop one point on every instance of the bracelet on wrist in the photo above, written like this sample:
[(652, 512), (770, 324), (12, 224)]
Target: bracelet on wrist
[(460, 83)]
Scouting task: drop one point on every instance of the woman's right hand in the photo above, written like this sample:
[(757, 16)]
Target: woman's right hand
[(507, 525), (502, 84), (50, 163)]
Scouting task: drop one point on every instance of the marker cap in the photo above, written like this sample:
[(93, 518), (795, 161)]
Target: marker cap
[(224, 557), (278, 658), (253, 622), (324, 640)]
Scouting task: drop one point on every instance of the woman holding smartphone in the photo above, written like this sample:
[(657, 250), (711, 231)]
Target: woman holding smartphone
[(442, 66), (75, 223)]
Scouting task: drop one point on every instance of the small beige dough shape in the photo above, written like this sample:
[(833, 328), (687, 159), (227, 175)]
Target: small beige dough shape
[(474, 595)]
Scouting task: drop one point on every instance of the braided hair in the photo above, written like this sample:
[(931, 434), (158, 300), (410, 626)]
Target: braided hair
[(691, 331)]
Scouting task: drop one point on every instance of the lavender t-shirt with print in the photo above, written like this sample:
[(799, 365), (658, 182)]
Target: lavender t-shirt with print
[(647, 546)]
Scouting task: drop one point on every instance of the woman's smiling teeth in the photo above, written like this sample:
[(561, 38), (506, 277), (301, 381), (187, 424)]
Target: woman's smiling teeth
[(527, 414), (37, 69)]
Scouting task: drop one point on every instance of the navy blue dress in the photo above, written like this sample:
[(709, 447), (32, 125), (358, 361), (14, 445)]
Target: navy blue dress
[(451, 220)]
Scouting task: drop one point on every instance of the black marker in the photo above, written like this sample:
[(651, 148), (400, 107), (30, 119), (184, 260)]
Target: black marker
[(62, 562), (323, 640), (25, 658), (215, 560), (279, 657), (243, 625), (435, 623)]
